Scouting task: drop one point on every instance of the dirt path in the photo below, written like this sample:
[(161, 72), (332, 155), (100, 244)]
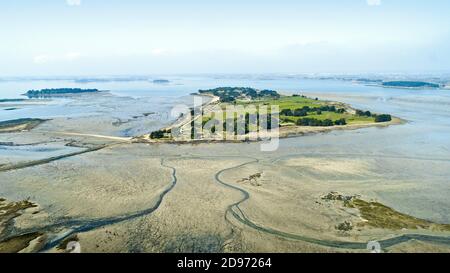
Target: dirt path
[(123, 139), (23, 165)]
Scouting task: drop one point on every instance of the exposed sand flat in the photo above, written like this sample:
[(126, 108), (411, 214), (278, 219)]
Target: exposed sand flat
[(122, 196), (194, 216), (328, 165), (81, 187)]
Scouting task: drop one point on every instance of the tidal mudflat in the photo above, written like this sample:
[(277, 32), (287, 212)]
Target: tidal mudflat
[(86, 180)]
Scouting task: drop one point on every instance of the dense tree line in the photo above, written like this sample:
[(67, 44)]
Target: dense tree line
[(318, 122), (159, 134), (378, 118), (303, 112)]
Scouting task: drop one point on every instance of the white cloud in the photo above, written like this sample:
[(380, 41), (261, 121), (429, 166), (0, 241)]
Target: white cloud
[(71, 56), (40, 59), (73, 2), (44, 58), (373, 2), (158, 51)]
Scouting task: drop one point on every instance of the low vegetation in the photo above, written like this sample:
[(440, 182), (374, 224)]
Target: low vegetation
[(18, 125), (377, 215), (8, 212)]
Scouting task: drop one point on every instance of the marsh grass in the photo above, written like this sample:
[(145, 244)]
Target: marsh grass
[(381, 216)]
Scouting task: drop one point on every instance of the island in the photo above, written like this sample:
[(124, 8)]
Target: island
[(58, 92), (410, 84), (250, 120)]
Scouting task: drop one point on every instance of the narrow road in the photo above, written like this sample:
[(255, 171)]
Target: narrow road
[(115, 138)]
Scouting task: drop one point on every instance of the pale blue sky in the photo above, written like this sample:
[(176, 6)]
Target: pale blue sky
[(98, 37)]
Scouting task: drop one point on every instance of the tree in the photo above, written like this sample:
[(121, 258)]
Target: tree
[(157, 134)]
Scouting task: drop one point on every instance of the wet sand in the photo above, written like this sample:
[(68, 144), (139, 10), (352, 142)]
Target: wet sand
[(111, 199)]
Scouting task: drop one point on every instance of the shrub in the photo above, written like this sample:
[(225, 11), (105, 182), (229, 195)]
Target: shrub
[(286, 112)]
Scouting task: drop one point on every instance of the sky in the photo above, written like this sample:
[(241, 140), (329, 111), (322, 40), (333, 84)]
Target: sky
[(116, 37)]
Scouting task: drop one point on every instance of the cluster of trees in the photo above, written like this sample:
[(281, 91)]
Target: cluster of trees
[(363, 113), (303, 112), (378, 118), (383, 118), (58, 91), (230, 94), (318, 122)]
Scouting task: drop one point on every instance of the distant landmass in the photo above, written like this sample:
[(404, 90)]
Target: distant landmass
[(161, 81), (410, 84), (58, 92), (364, 80), (230, 94)]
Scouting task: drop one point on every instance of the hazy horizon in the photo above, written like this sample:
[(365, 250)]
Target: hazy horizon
[(97, 37)]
